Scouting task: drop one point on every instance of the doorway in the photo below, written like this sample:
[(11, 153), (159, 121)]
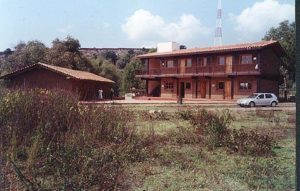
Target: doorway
[(227, 89), (202, 89), (154, 88), (182, 89)]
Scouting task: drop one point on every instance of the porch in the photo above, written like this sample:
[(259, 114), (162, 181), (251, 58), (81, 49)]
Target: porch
[(211, 71)]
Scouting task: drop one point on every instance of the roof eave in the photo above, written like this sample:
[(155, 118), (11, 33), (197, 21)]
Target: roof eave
[(42, 65), (11, 74), (195, 53)]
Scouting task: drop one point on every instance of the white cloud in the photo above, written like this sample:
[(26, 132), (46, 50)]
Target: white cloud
[(146, 27), (142, 25), (186, 29), (256, 20)]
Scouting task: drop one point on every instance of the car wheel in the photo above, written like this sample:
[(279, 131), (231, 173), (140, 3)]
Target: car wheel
[(252, 104), (273, 104)]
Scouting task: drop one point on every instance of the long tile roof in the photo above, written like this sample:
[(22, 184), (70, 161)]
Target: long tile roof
[(77, 74), (218, 49)]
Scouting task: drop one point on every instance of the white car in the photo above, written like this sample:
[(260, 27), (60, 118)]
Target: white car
[(259, 99)]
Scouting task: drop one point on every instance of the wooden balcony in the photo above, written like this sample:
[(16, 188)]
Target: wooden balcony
[(216, 70)]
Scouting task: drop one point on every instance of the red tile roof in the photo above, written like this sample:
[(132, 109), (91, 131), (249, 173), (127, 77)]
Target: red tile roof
[(219, 49), (77, 74)]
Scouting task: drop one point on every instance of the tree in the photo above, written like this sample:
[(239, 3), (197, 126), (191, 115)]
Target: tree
[(27, 54), (7, 52), (65, 53), (285, 33), (108, 70), (110, 55), (129, 79), (124, 59)]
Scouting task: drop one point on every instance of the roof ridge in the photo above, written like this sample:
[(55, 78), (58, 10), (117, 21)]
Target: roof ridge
[(77, 74)]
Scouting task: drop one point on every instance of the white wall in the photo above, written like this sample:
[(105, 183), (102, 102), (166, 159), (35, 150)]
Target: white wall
[(167, 46)]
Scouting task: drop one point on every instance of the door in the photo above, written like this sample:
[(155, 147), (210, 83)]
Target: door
[(228, 64), (182, 89), (268, 99), (182, 66), (260, 99), (228, 89), (202, 89)]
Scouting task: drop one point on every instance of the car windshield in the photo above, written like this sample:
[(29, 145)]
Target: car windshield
[(252, 96)]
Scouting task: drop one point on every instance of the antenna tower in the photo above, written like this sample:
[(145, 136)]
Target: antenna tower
[(218, 31)]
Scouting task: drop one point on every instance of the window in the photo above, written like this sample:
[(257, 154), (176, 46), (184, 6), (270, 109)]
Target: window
[(246, 59), (188, 86), (162, 63), (221, 85), (145, 64), (189, 62), (169, 85), (268, 96), (245, 86), (222, 60), (170, 64), (261, 96)]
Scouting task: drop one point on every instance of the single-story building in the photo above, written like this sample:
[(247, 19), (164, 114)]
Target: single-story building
[(40, 75)]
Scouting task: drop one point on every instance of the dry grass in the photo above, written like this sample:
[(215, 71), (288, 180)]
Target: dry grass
[(69, 146)]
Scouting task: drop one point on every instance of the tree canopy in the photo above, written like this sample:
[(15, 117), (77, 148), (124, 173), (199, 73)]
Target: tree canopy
[(119, 67), (108, 70), (110, 55), (26, 54), (66, 53), (129, 79), (63, 53), (285, 33)]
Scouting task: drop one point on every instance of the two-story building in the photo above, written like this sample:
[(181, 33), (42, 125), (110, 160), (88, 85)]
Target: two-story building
[(222, 72)]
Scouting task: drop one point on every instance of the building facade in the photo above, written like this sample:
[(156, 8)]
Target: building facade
[(81, 83), (224, 72)]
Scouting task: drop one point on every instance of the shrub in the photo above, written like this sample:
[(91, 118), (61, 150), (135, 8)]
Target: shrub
[(292, 118), (213, 126), (55, 143), (23, 113), (158, 115), (143, 115), (183, 135), (269, 115), (184, 114), (250, 143)]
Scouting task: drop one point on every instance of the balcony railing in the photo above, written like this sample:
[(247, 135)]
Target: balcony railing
[(204, 71)]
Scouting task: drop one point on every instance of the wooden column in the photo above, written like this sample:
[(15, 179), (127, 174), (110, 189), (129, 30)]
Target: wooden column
[(177, 86), (147, 88), (232, 87), (209, 88), (196, 87), (148, 64)]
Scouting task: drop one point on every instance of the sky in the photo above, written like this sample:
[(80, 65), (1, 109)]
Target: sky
[(138, 23)]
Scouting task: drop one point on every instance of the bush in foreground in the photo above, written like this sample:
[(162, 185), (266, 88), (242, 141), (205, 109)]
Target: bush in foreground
[(52, 142), (214, 129)]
